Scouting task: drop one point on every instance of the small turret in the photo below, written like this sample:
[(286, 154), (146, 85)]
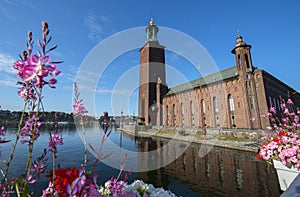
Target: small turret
[(151, 31), (242, 55)]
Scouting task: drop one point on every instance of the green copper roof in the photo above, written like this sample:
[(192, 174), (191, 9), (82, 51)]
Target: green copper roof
[(212, 78)]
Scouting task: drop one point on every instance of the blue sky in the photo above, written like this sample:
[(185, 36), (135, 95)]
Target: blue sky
[(271, 27)]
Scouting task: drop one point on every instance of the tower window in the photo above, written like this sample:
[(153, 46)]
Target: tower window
[(239, 61), (247, 61)]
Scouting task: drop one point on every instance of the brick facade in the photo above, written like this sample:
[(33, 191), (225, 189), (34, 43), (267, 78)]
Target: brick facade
[(237, 99)]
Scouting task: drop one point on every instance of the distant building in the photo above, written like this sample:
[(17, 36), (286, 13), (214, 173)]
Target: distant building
[(234, 100), (4, 113)]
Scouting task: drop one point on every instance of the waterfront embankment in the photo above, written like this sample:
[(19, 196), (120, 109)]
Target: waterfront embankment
[(245, 140)]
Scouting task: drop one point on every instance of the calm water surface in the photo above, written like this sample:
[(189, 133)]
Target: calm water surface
[(221, 172)]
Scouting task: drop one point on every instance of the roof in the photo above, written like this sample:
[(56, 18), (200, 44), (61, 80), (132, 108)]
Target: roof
[(206, 80)]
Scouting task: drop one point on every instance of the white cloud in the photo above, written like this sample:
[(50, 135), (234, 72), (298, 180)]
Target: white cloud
[(122, 92), (6, 63), (8, 83), (95, 24)]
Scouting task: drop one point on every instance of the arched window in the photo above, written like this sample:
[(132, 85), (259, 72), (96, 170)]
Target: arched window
[(231, 104), (247, 61), (192, 113), (174, 114), (231, 110), (203, 108), (251, 102), (182, 114), (239, 61), (215, 103), (216, 112), (203, 115)]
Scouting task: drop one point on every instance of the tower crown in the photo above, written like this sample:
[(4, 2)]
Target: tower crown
[(242, 55), (240, 43), (151, 31)]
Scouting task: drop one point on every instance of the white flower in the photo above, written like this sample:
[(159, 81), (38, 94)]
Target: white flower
[(139, 185)]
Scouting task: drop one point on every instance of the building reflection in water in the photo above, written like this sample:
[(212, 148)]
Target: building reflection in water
[(221, 172)]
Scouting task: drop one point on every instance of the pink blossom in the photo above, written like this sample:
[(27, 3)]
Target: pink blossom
[(289, 101), (55, 140), (79, 109), (269, 128), (31, 129), (282, 105), (36, 69), (273, 110)]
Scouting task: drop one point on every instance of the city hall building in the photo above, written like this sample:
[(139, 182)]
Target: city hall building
[(232, 98)]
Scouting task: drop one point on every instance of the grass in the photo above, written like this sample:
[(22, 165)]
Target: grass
[(199, 136), (172, 132), (231, 138)]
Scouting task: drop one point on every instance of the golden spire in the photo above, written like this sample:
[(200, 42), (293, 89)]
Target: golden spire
[(151, 22)]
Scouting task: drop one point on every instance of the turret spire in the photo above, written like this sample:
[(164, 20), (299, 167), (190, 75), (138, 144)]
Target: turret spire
[(151, 31)]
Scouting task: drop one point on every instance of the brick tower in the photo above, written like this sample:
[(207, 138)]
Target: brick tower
[(246, 72), (152, 77)]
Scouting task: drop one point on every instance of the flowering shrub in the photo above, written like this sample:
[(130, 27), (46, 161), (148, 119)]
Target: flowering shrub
[(283, 143)]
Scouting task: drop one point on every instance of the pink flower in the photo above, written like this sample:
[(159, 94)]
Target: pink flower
[(2, 131), (289, 101), (282, 105), (36, 69), (273, 110), (55, 140), (79, 109), (31, 129)]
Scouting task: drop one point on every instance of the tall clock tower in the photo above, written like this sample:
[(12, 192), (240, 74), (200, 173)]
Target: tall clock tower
[(152, 84)]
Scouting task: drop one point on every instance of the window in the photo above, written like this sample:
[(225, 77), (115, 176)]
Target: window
[(174, 114), (247, 61), (203, 108), (192, 113), (167, 113), (231, 104), (278, 104), (251, 102), (231, 110), (182, 114), (239, 61), (274, 101), (216, 112), (215, 103)]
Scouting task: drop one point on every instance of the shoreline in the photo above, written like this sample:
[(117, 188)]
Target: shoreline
[(211, 140)]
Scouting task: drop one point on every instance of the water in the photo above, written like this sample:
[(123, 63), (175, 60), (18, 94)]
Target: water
[(221, 172)]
